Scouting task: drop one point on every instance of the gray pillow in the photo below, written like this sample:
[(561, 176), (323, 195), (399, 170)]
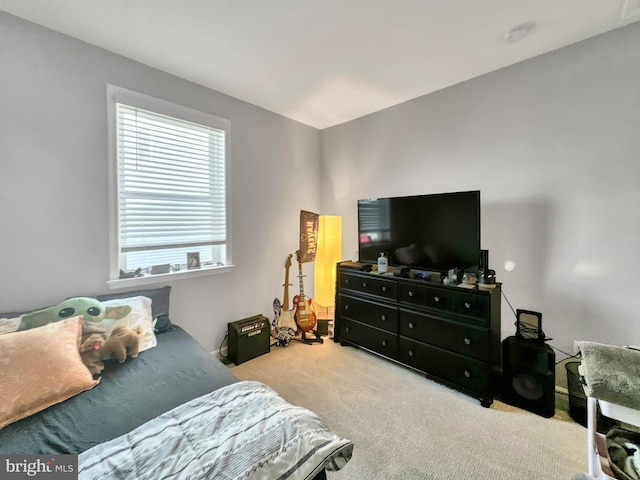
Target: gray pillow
[(17, 314), (159, 305)]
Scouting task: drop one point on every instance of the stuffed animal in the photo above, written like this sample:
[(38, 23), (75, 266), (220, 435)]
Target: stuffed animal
[(121, 343), (90, 352), (91, 309)]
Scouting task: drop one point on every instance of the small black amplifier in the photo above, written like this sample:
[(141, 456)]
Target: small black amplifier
[(248, 338)]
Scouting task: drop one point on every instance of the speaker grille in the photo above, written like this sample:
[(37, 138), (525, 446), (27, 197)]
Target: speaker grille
[(527, 386), (528, 374)]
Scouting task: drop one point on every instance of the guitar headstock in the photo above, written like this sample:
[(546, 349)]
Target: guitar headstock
[(299, 256), (287, 261)]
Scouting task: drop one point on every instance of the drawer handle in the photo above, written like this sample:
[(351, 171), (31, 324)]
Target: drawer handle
[(384, 343), (467, 341), (411, 353), (347, 329), (410, 293), (467, 373), (467, 305), (346, 307), (384, 289), (364, 284), (437, 299), (412, 325), (383, 317), (346, 281)]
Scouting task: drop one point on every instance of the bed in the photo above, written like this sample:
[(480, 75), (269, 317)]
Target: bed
[(177, 412)]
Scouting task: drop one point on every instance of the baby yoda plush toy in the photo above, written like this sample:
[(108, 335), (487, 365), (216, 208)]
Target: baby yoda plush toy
[(92, 311)]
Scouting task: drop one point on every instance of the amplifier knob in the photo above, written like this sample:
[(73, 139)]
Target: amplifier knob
[(467, 341), (412, 325), (467, 373)]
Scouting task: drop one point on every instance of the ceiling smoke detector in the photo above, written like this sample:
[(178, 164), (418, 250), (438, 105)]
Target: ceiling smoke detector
[(518, 32)]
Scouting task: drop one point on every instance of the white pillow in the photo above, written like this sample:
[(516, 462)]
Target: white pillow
[(140, 316), (9, 325)]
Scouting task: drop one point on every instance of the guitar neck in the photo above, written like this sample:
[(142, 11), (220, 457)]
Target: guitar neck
[(285, 300), (301, 283)]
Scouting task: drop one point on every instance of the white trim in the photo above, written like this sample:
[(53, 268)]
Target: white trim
[(167, 277), (112, 177), (118, 94)]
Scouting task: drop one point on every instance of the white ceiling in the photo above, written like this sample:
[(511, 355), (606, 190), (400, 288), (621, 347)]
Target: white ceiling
[(325, 62)]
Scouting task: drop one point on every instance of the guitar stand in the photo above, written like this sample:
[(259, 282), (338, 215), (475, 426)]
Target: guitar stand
[(280, 343), (309, 341)]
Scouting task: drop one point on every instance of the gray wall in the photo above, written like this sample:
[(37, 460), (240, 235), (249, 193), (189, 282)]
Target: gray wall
[(53, 181), (553, 144)]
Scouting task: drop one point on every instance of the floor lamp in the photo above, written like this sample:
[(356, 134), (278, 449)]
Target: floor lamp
[(328, 254)]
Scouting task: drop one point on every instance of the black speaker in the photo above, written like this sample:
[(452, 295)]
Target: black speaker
[(248, 338), (529, 375)]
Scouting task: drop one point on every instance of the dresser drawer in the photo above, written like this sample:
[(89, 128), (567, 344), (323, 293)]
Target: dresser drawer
[(459, 338), (369, 284), (424, 296), (457, 369), (379, 341), (473, 305), (368, 312)]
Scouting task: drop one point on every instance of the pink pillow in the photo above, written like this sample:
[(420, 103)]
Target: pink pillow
[(41, 367)]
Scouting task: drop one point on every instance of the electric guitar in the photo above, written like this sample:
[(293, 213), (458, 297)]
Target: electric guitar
[(305, 313), (283, 326)]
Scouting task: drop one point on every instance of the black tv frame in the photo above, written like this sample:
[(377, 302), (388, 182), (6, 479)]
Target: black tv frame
[(431, 232)]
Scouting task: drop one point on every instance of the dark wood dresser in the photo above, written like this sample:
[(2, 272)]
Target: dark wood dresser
[(452, 334)]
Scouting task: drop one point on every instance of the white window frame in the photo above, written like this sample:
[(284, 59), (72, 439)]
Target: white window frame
[(120, 95)]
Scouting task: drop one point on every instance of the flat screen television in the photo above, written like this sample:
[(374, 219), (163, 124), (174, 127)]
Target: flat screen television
[(428, 232)]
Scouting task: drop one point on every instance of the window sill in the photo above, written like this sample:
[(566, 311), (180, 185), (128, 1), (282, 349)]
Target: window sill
[(167, 277)]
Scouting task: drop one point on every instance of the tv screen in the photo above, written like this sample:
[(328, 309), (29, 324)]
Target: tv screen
[(429, 232)]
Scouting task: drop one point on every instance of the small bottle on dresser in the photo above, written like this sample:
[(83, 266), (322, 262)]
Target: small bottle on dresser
[(383, 262)]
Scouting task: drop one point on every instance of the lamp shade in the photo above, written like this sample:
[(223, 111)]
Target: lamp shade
[(328, 254)]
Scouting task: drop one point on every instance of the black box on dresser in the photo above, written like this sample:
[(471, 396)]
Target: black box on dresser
[(451, 334)]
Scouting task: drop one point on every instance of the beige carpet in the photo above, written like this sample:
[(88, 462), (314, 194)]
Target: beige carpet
[(406, 427)]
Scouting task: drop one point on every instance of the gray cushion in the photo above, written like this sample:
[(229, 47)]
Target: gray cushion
[(159, 305)]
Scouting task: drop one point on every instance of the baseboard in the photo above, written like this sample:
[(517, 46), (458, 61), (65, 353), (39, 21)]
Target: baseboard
[(217, 354)]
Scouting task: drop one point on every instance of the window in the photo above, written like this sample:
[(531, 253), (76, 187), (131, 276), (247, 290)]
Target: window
[(169, 185)]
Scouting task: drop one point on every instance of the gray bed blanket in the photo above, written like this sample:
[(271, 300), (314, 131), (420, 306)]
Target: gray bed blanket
[(241, 431), (611, 373)]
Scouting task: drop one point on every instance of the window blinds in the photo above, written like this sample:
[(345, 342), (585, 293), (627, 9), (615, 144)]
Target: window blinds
[(171, 178)]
